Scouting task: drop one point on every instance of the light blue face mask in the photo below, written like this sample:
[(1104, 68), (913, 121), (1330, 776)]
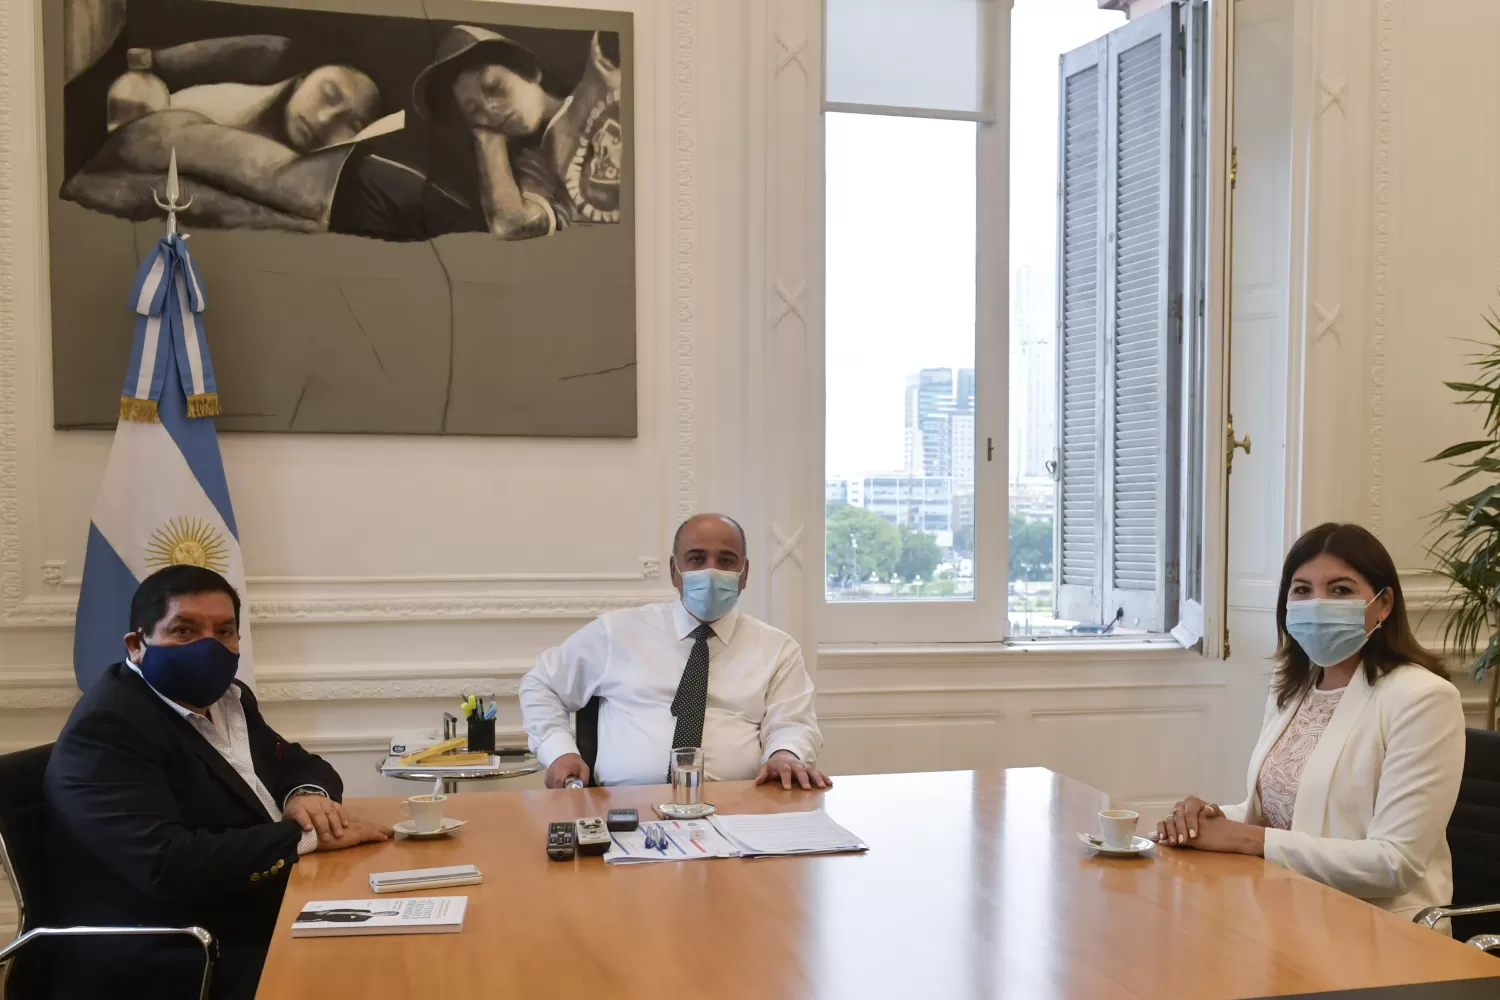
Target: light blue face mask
[(1329, 630), (709, 594)]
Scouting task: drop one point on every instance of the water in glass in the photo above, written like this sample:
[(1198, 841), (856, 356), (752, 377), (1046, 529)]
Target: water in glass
[(687, 776)]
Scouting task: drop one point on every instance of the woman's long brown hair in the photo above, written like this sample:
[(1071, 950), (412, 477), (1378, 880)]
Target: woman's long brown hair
[(1389, 646)]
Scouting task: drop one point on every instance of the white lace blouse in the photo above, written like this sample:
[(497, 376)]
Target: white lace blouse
[(1281, 772)]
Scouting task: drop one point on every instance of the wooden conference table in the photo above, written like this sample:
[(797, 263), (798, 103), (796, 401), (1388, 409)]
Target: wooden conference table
[(975, 885)]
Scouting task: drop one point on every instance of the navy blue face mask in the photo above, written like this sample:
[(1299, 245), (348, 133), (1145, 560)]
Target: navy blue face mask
[(197, 674)]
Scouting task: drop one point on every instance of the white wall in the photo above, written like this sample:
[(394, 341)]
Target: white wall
[(388, 574)]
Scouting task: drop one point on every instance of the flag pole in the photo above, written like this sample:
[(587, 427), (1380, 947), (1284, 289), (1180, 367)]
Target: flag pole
[(174, 192)]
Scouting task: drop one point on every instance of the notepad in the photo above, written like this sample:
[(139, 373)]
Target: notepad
[(778, 834), (412, 915)]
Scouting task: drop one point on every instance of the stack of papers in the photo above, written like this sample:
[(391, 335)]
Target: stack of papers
[(392, 766), (763, 836), (412, 915), (778, 834)]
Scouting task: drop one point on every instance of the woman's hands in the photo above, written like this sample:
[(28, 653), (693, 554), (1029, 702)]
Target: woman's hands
[(1182, 824), (1204, 827)]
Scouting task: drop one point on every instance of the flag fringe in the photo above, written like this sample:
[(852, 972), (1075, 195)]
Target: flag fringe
[(205, 404), (142, 411)]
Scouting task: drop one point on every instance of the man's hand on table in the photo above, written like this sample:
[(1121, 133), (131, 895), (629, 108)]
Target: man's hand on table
[(569, 765), (317, 812), (784, 766), (356, 831)]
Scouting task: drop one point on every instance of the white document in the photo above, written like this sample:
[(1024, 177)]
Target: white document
[(412, 915), (772, 834), (629, 847)]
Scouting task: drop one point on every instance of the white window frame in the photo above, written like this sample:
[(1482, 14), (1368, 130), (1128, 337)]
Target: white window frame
[(1200, 619), (985, 617)]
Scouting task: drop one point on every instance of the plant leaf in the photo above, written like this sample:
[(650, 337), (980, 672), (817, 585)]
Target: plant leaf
[(1462, 448)]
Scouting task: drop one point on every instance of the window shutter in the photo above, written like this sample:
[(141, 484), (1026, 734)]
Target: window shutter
[(1141, 333), (1079, 519), (1118, 279)]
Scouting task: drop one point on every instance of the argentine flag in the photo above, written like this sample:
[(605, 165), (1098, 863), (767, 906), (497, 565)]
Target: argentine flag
[(164, 499)]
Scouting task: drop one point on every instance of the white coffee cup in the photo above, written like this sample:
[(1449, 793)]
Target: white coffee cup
[(426, 812), (1118, 826)]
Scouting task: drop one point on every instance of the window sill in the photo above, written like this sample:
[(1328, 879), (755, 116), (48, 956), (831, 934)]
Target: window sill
[(1134, 645)]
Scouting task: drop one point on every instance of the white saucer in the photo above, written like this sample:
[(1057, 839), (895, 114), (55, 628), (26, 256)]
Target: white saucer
[(670, 810), (1140, 845), (409, 828)]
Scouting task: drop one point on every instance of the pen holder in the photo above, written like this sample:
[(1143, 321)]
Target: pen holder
[(482, 735)]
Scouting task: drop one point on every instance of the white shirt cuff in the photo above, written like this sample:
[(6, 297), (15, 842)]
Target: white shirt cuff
[(1271, 850), (308, 843), (304, 789), (555, 746), (775, 748)]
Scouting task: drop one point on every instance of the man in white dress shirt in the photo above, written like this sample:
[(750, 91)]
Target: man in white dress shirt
[(690, 672)]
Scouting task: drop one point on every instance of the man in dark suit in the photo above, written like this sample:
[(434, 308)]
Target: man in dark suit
[(172, 803)]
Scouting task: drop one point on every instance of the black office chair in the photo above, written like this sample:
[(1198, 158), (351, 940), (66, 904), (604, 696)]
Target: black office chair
[(586, 734), (1474, 839), (23, 846)]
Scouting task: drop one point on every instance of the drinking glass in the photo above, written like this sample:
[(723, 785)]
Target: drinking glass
[(687, 776)]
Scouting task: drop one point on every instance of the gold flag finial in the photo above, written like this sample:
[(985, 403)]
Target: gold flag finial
[(174, 191)]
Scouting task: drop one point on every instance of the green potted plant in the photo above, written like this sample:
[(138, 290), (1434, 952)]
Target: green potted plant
[(1467, 546)]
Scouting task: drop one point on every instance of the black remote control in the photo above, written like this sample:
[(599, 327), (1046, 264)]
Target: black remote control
[(560, 841)]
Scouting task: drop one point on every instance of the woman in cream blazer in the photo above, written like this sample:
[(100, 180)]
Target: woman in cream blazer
[(1358, 763)]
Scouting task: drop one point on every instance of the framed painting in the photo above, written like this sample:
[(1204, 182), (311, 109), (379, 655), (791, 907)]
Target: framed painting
[(410, 218)]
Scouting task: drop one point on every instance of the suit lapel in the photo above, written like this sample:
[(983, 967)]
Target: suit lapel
[(1317, 774), (221, 768)]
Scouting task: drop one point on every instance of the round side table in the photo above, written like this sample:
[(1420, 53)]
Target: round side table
[(512, 765)]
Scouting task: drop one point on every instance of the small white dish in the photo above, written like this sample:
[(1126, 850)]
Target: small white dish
[(1139, 845), (670, 810), (408, 828)]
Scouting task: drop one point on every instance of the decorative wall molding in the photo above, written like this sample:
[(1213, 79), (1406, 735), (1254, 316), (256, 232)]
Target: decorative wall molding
[(52, 576), (1384, 101), (1099, 658), (1327, 321), (905, 691), (791, 52), (1333, 94), (787, 548), (391, 690), (54, 687), (10, 365), (575, 606), (39, 612), (685, 247), (791, 303)]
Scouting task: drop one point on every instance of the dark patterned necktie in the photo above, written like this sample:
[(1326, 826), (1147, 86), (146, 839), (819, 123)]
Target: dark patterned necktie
[(692, 692)]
